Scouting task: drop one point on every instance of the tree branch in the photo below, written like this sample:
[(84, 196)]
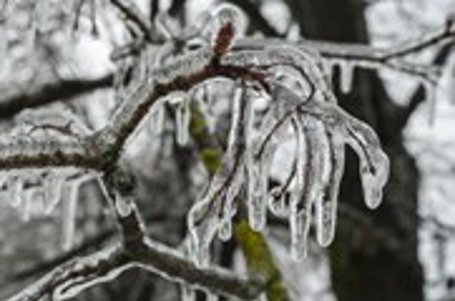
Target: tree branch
[(69, 278), (21, 98), (418, 96), (133, 13), (260, 262)]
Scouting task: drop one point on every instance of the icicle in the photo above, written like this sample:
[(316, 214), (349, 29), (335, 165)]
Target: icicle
[(257, 197), (93, 17), (241, 120), (16, 191), (300, 163), (259, 156), (26, 208), (182, 120), (122, 205), (209, 296), (299, 228), (257, 176), (187, 293), (262, 297), (52, 186), (160, 119), (328, 68), (451, 81), (430, 94), (203, 221), (229, 207), (299, 219), (310, 183), (156, 122), (69, 216), (346, 76), (374, 163), (326, 209)]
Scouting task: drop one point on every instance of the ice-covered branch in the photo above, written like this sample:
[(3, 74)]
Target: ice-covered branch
[(190, 70), (298, 95), (137, 250), (133, 13), (70, 278), (168, 263), (260, 262)]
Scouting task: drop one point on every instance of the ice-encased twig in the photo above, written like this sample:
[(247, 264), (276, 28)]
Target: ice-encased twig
[(326, 209), (374, 163), (324, 152), (205, 216), (67, 280)]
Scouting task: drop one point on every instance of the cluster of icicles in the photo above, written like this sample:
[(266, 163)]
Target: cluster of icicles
[(306, 106), (320, 129), (37, 192)]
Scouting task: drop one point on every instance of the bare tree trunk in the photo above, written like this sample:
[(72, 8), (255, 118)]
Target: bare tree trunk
[(366, 266)]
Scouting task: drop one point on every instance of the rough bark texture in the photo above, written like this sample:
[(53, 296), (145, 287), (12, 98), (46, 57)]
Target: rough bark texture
[(363, 266)]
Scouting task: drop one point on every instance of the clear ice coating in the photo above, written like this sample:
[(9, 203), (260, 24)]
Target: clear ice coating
[(321, 130), (326, 209), (35, 192), (208, 215)]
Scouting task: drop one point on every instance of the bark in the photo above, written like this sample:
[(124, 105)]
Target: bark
[(363, 266)]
